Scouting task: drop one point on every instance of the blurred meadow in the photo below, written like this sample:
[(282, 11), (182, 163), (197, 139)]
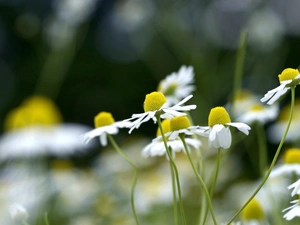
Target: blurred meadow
[(87, 56)]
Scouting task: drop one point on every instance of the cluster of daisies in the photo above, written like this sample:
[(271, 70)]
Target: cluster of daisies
[(168, 104), (35, 128)]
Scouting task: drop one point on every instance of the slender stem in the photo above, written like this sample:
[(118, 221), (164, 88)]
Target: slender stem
[(46, 218), (275, 157), (239, 66), (174, 195), (262, 148), (111, 139), (213, 185), (174, 169), (200, 180)]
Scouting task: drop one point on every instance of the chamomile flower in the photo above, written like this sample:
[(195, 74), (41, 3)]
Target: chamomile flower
[(178, 85), (35, 128), (259, 113), (276, 130), (290, 165), (156, 104), (253, 213), (157, 147), (217, 131), (293, 210), (104, 124), (288, 78)]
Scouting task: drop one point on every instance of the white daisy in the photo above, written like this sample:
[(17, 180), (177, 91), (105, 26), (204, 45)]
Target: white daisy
[(156, 104), (35, 128), (218, 132), (293, 210), (178, 85), (290, 165), (259, 113), (296, 187), (157, 147), (276, 130), (288, 78), (105, 124), (35, 141)]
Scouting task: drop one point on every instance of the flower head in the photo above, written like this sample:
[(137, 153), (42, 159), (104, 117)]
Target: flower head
[(178, 85), (104, 124), (253, 211), (276, 130), (294, 210), (156, 104), (35, 128), (290, 165), (218, 132), (157, 147), (288, 78)]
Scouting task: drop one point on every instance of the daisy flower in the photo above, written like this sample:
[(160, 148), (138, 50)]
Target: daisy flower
[(259, 113), (157, 147), (276, 130), (217, 131), (290, 165), (178, 85), (294, 210), (104, 124), (253, 213), (35, 128), (288, 78), (156, 104)]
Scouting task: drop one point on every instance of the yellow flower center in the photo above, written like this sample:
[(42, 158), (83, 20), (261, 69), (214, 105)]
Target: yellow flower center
[(36, 110), (253, 211), (288, 74), (103, 119), (61, 165), (218, 115), (179, 122), (292, 155), (165, 127), (154, 101), (257, 107)]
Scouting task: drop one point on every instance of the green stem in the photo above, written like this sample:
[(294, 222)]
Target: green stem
[(46, 218), (239, 66), (275, 157), (213, 185), (174, 195), (174, 167), (200, 180), (111, 139)]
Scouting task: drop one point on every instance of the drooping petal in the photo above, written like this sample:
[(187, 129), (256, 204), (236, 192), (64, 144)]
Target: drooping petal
[(224, 138), (103, 139), (296, 187), (277, 96), (270, 93), (241, 127)]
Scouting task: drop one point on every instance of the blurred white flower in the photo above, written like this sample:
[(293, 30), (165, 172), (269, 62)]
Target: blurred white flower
[(35, 129), (290, 165), (178, 85), (276, 130), (18, 212)]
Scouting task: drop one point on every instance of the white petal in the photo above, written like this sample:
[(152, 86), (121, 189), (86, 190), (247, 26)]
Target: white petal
[(103, 139), (224, 138), (270, 93), (277, 96), (241, 127)]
